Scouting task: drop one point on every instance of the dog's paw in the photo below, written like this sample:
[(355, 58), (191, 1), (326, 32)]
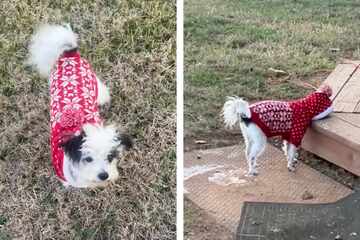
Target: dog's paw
[(252, 173), (105, 109), (291, 167)]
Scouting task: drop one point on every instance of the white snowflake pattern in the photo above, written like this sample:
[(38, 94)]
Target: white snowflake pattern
[(91, 114), (54, 75), (84, 63), (55, 118), (72, 103), (55, 96), (85, 72), (87, 93), (68, 71), (69, 80), (69, 61)]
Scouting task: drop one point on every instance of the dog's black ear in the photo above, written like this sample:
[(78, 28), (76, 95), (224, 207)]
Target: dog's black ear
[(72, 147), (125, 140), (245, 119)]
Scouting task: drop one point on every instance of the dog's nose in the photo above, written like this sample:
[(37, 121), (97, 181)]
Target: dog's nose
[(103, 176)]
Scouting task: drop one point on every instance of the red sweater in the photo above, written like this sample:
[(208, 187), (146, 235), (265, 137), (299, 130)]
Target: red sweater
[(73, 91), (289, 119)]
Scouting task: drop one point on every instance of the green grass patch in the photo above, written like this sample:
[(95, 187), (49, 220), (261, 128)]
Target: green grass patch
[(3, 220), (230, 45)]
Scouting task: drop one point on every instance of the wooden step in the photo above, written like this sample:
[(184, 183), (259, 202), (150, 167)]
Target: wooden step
[(337, 138)]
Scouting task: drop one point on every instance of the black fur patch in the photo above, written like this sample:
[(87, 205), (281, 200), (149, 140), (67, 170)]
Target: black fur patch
[(71, 50), (246, 120), (113, 154), (72, 147), (126, 141)]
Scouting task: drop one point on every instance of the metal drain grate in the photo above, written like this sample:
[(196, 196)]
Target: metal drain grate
[(285, 221)]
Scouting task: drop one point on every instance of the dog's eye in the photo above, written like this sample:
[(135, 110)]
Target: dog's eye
[(88, 159), (112, 155)]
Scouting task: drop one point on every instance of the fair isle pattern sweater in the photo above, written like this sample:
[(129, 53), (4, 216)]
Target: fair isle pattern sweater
[(289, 119), (73, 91)]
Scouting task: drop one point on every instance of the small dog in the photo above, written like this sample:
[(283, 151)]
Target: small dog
[(84, 151), (288, 119)]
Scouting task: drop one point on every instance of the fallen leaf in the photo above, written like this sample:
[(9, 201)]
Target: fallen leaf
[(307, 196), (277, 72)]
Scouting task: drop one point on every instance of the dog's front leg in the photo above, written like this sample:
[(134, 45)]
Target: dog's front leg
[(103, 93), (254, 150), (291, 154)]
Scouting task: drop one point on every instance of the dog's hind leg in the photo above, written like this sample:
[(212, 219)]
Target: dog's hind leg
[(103, 93), (285, 147), (291, 154), (256, 146)]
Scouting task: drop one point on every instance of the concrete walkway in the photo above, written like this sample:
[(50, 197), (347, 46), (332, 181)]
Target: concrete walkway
[(215, 180)]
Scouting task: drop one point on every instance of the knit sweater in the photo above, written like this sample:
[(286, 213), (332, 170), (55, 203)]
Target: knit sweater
[(73, 91), (289, 119)]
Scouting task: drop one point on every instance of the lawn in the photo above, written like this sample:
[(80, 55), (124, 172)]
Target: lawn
[(131, 46), (231, 45)]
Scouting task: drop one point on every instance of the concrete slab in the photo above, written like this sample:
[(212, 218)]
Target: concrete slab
[(215, 180)]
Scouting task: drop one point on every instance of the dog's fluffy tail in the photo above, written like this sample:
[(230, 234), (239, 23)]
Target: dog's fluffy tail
[(235, 109), (47, 44)]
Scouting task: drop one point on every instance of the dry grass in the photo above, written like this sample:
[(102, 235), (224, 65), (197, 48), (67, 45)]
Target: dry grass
[(131, 45)]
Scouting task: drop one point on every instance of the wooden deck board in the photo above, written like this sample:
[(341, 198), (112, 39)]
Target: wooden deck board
[(340, 127), (333, 151), (339, 77), (353, 119), (337, 139), (348, 97)]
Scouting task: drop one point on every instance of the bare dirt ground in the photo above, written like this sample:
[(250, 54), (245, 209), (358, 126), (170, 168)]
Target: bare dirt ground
[(204, 227)]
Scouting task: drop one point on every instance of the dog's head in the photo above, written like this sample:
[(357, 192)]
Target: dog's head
[(325, 89), (90, 159)]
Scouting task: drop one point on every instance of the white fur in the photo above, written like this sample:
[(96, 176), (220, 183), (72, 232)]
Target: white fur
[(255, 139), (235, 108), (291, 151), (47, 44), (103, 93), (99, 142)]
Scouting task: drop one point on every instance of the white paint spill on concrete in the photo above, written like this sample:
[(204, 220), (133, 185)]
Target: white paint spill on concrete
[(212, 151), (234, 153), (228, 177), (199, 169)]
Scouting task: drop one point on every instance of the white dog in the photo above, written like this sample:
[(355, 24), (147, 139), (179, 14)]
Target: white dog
[(276, 118), (84, 150)]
